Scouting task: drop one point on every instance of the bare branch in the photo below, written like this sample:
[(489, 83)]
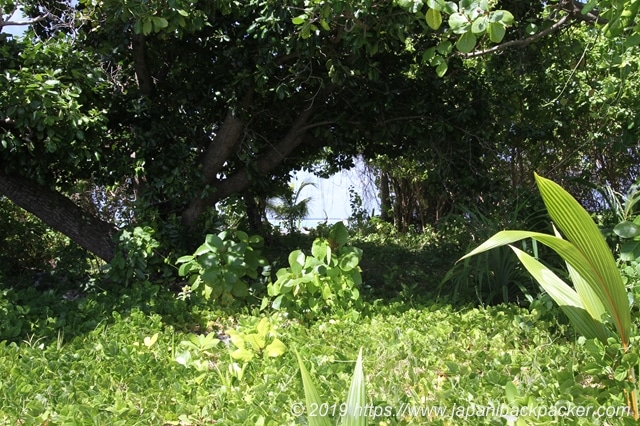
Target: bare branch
[(32, 21)]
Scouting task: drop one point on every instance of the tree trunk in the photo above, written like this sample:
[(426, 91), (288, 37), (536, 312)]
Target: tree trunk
[(242, 180), (385, 196), (225, 141), (61, 214), (255, 212)]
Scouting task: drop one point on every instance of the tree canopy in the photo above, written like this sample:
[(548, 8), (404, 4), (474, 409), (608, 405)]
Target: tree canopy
[(117, 112)]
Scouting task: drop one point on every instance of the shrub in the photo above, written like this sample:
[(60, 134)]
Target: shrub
[(225, 268), (496, 276), (134, 256), (326, 280)]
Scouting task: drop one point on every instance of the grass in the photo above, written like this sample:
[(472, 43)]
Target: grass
[(421, 355), (140, 356)]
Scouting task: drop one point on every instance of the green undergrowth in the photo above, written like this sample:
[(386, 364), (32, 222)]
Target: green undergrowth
[(144, 360)]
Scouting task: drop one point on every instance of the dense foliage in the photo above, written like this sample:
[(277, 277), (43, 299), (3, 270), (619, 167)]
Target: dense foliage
[(142, 142), (153, 114)]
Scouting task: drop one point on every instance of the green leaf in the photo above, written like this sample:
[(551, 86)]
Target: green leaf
[(242, 236), (588, 7), (214, 242), (586, 251), (466, 43), (339, 234), (159, 23), (184, 259), (511, 392), (444, 47), (435, 4), (312, 397), (504, 16), (183, 358), (459, 23), (428, 54), (632, 41), (299, 20), (567, 298), (277, 302), (450, 7), (240, 289), (147, 27), (350, 258), (597, 265), (630, 251), (531, 29), (441, 69), (242, 354), (321, 251), (480, 25), (496, 31), (212, 276), (263, 327), (256, 341), (356, 398), (275, 348), (434, 18), (296, 261), (256, 241), (627, 229)]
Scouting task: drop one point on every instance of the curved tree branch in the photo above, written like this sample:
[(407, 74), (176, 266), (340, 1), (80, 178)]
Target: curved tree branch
[(61, 214), (6, 22), (243, 179), (574, 13), (519, 43), (224, 142)]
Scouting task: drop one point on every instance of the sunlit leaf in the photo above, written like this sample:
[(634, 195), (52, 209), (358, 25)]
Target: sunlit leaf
[(275, 348), (149, 341), (434, 19), (480, 25), (458, 23), (597, 265), (242, 354), (299, 20), (567, 298)]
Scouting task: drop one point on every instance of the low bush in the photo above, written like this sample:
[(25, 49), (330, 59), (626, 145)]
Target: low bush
[(225, 268), (328, 280)]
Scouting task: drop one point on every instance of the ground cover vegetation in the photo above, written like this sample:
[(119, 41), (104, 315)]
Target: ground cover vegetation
[(142, 144)]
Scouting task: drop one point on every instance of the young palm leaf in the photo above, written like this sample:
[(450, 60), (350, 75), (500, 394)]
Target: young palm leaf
[(357, 398), (598, 286), (355, 413), (598, 296), (312, 397)]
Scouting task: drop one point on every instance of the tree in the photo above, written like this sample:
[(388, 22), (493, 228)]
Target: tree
[(289, 207), (176, 106)]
